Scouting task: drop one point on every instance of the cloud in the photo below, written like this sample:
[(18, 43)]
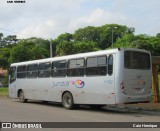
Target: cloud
[(142, 14), (50, 18), (54, 27), (39, 18), (44, 30), (98, 17)]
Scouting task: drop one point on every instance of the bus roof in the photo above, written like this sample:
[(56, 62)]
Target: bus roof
[(74, 56)]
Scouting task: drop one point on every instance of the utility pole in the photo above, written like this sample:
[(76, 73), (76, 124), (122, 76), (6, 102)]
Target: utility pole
[(112, 38), (51, 52), (112, 29)]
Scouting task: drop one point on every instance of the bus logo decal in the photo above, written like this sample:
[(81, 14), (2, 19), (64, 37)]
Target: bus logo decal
[(79, 83)]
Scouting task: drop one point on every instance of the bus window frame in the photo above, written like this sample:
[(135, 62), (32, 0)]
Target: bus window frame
[(77, 69), (97, 66), (44, 72), (148, 68), (22, 72), (58, 69), (30, 72), (108, 71)]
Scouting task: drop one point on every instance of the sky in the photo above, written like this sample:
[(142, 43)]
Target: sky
[(50, 18)]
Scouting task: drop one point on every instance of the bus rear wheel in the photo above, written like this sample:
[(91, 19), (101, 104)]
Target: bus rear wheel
[(67, 101), (22, 97)]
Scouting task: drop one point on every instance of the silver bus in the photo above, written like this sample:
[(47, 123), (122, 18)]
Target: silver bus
[(96, 78)]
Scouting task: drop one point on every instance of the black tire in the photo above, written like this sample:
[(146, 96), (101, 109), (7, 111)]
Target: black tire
[(67, 101), (22, 97)]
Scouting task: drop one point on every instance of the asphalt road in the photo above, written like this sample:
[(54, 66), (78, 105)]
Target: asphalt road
[(11, 110)]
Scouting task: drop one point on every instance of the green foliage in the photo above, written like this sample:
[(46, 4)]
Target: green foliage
[(64, 37), (124, 42), (59, 45), (1, 39), (4, 55), (70, 47), (82, 47), (158, 35), (65, 48), (141, 44), (29, 49), (21, 52), (155, 42), (112, 30), (83, 40), (9, 41), (6, 43), (87, 34), (141, 41)]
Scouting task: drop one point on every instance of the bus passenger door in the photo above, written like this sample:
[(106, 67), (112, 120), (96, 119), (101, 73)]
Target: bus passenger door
[(12, 82)]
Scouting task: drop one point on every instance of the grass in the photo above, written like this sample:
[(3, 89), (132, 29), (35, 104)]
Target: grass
[(3, 92)]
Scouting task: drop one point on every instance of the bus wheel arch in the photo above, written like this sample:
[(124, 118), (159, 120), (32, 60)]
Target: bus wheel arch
[(21, 96), (67, 100)]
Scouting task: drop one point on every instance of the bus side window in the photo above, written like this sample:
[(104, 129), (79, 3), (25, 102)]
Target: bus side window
[(102, 65), (96, 66), (76, 67), (59, 68), (32, 71), (12, 74), (110, 65), (21, 72), (44, 70)]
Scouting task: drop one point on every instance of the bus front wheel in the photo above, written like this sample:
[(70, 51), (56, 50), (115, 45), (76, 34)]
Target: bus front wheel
[(22, 97), (67, 100)]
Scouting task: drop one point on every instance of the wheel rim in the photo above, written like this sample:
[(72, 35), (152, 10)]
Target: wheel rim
[(21, 96), (67, 100)]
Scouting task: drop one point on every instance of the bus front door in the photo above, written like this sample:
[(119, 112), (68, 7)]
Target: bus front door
[(12, 82)]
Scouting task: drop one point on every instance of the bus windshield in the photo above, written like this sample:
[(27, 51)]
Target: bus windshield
[(136, 60)]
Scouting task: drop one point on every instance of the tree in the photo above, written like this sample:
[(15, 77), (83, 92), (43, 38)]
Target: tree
[(141, 41), (4, 55), (112, 30), (30, 49), (158, 35), (1, 40), (87, 34), (142, 44), (64, 37), (155, 42), (125, 41), (82, 47), (1, 35), (21, 52), (40, 47), (10, 40), (65, 48)]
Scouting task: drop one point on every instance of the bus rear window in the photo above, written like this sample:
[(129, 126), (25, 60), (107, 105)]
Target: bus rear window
[(136, 60)]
